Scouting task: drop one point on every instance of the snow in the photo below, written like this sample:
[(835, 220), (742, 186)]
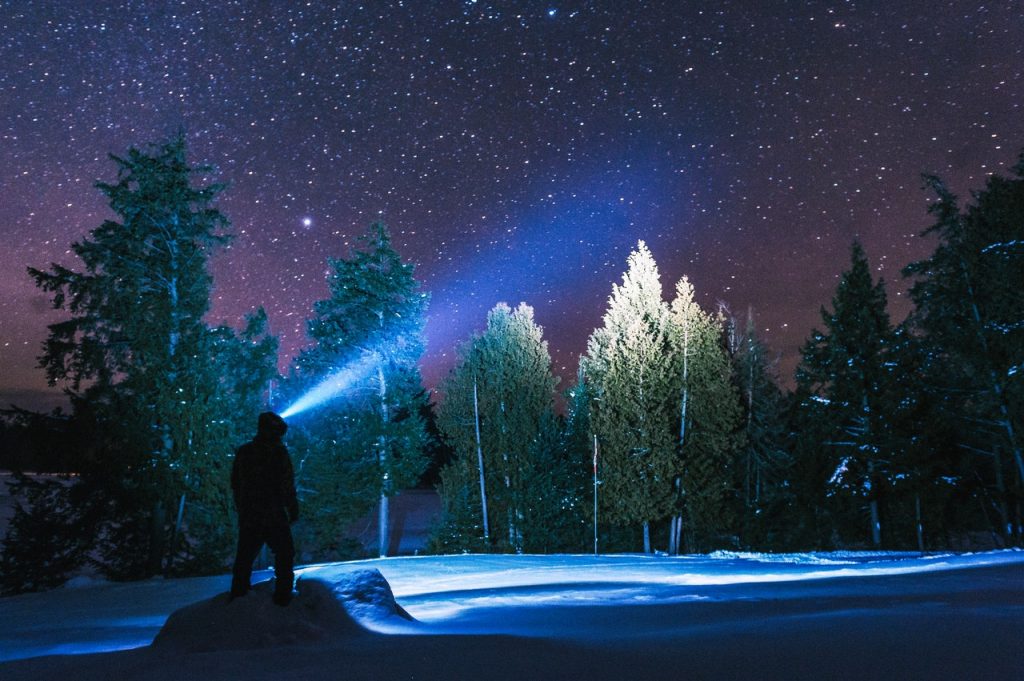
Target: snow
[(320, 611), (723, 615), (841, 470), (1002, 246)]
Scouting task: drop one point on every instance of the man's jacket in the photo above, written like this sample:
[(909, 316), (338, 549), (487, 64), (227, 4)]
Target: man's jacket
[(263, 481)]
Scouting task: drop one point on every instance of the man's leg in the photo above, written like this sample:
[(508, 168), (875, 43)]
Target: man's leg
[(250, 541), (279, 539)]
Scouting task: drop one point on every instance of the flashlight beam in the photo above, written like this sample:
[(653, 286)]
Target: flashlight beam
[(336, 383)]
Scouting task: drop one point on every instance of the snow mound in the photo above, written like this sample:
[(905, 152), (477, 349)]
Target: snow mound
[(320, 610), (790, 558)]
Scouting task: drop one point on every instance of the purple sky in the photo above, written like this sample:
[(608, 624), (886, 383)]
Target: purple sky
[(516, 150)]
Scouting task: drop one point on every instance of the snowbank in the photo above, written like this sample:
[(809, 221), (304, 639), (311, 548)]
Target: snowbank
[(321, 611)]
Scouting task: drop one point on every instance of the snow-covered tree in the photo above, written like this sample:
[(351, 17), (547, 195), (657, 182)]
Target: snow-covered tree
[(634, 401), (709, 423), (498, 415)]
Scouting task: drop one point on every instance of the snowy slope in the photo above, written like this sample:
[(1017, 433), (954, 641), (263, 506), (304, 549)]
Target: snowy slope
[(839, 615)]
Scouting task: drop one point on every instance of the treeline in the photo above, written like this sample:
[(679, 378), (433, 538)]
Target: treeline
[(160, 399), (675, 432), (678, 436)]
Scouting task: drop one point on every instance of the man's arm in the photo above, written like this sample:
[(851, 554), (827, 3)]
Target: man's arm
[(291, 501)]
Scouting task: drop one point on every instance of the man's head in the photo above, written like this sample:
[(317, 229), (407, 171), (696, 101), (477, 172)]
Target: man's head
[(271, 426)]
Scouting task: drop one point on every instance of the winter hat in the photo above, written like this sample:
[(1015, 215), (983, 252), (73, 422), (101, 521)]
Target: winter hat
[(271, 425)]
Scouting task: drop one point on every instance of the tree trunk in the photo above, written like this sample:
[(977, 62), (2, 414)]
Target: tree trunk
[(1004, 512), (595, 494), (686, 387), (751, 462), (383, 526), (917, 518), (480, 462), (647, 537), (675, 529), (156, 539), (174, 534), (382, 520), (675, 537), (876, 524)]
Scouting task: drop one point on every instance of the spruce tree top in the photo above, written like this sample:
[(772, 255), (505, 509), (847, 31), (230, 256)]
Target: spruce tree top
[(145, 288)]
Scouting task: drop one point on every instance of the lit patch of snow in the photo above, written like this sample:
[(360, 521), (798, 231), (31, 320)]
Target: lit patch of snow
[(320, 611), (792, 558), (524, 595)]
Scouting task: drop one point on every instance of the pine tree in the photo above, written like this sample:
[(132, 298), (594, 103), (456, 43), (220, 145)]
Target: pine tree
[(498, 411), (845, 376), (44, 545), (709, 423), (764, 462), (634, 407), (969, 308), (369, 444), (581, 460), (137, 355), (224, 401)]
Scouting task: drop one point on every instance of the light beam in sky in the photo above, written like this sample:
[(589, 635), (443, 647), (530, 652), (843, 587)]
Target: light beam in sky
[(336, 383)]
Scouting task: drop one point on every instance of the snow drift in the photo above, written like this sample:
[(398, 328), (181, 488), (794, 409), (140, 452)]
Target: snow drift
[(321, 611)]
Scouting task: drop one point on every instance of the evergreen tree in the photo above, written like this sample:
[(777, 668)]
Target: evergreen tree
[(764, 462), (845, 377), (369, 445), (709, 423), (139, 359), (581, 459), (634, 408), (498, 412), (969, 308), (224, 402), (44, 544)]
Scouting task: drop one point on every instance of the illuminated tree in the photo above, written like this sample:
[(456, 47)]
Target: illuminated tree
[(366, 445), (634, 414), (709, 419), (498, 409)]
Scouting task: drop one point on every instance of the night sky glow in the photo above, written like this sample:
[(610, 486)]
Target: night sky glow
[(516, 150)]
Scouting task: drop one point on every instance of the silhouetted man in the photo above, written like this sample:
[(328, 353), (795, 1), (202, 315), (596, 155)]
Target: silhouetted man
[(263, 484)]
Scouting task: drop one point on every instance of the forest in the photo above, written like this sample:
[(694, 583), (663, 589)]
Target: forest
[(677, 434)]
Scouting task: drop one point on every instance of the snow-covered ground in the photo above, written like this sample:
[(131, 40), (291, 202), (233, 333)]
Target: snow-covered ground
[(726, 615)]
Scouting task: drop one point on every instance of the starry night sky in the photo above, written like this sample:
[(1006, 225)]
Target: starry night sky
[(517, 151)]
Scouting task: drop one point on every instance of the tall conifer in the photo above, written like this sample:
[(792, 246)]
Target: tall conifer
[(368, 444), (634, 407), (969, 306), (143, 368), (498, 408), (709, 423), (845, 376)]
